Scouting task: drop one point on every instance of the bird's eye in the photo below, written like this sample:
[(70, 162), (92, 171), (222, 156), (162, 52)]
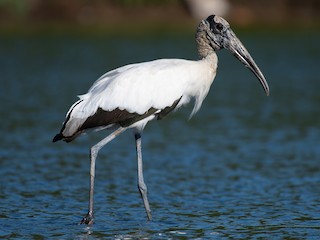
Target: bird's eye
[(219, 27)]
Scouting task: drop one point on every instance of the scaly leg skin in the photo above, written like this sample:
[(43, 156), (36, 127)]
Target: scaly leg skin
[(88, 219), (141, 184)]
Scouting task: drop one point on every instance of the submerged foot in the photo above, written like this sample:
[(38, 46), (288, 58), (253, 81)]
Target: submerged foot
[(88, 219)]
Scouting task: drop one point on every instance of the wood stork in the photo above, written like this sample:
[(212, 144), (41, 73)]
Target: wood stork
[(133, 95)]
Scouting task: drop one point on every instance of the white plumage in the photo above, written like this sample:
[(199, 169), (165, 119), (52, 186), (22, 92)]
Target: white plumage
[(130, 96), (137, 88)]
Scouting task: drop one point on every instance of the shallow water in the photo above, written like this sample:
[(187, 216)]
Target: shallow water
[(246, 166)]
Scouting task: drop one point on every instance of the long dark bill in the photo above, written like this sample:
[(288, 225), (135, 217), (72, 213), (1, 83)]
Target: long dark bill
[(240, 52)]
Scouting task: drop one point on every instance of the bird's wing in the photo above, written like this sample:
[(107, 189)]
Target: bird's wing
[(133, 92), (138, 87)]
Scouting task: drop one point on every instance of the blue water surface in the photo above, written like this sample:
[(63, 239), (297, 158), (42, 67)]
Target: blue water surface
[(246, 166)]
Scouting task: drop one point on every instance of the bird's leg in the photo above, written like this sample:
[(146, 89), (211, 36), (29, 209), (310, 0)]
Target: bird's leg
[(141, 184), (88, 219)]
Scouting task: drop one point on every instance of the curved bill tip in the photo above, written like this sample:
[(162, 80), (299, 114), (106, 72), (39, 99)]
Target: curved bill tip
[(255, 69), (248, 61), (240, 52), (265, 86)]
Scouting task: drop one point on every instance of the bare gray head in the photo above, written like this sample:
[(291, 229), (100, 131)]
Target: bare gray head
[(215, 33)]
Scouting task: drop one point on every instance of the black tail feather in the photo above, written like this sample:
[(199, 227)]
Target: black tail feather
[(58, 137)]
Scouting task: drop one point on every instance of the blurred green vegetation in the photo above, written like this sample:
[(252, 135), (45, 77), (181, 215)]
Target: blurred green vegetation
[(17, 7), (156, 16), (142, 2)]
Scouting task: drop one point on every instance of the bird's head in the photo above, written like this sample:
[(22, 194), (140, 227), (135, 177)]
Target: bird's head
[(219, 35)]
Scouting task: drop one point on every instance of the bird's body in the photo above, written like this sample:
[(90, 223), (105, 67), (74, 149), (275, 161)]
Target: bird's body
[(133, 95), (133, 90)]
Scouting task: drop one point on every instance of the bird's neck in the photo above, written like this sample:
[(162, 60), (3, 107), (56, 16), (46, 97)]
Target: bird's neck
[(203, 46), (212, 60), (206, 52)]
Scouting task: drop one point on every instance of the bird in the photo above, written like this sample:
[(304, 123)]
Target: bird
[(129, 97)]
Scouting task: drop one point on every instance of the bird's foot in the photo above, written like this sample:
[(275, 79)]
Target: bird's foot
[(88, 219)]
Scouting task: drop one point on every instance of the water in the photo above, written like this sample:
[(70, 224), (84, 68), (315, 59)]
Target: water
[(246, 166)]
